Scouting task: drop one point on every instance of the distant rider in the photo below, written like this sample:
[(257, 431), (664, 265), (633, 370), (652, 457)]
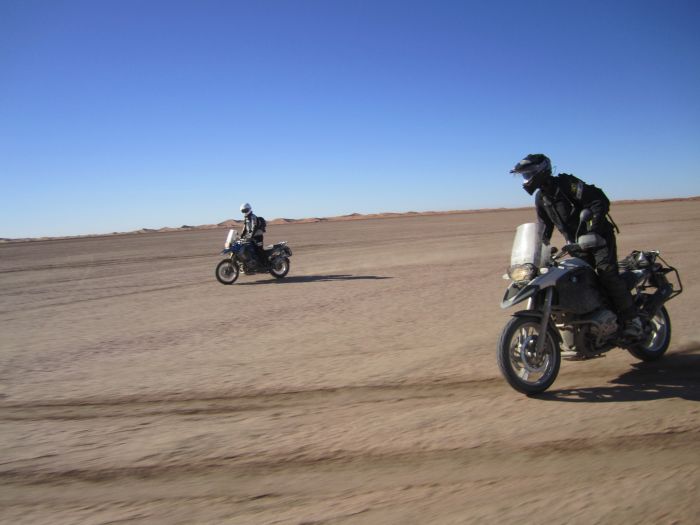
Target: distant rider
[(559, 202), (252, 232)]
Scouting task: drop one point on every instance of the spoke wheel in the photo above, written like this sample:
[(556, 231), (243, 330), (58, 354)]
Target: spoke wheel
[(524, 369), (279, 267), (657, 340), (226, 272)]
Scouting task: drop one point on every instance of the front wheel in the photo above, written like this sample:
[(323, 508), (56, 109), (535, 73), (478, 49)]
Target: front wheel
[(226, 272), (279, 267), (522, 367), (656, 342)]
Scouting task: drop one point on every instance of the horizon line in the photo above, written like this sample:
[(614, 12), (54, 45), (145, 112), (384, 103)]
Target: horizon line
[(310, 220)]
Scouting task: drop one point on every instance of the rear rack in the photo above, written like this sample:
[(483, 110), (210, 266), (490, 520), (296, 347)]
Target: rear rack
[(670, 269)]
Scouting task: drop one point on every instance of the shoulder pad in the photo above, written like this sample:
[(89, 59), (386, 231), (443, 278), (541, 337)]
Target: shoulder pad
[(571, 184)]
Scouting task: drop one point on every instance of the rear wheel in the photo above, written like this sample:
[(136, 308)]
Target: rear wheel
[(226, 272), (524, 369), (279, 267), (654, 346)]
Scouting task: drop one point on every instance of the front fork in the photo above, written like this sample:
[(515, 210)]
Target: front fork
[(546, 313)]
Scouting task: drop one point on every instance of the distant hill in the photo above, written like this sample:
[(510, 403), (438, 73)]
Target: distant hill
[(233, 223)]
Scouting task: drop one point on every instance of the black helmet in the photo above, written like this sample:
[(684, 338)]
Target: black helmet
[(535, 169)]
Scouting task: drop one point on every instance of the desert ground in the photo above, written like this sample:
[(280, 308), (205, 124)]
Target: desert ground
[(363, 388)]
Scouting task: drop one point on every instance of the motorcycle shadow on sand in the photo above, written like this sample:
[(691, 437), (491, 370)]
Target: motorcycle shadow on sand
[(677, 375), (316, 279)]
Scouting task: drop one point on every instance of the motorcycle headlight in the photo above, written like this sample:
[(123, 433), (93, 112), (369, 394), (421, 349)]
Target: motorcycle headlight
[(522, 272)]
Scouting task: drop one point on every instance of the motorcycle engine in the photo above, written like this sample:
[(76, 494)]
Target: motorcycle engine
[(604, 323)]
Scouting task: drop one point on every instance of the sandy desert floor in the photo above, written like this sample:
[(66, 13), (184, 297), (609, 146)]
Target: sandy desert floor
[(134, 388)]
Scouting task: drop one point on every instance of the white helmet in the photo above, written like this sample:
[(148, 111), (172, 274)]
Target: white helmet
[(246, 209)]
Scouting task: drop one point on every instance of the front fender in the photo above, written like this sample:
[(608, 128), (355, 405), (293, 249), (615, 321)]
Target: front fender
[(528, 313)]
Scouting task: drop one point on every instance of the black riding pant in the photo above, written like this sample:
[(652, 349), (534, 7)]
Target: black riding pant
[(604, 260), (259, 249)]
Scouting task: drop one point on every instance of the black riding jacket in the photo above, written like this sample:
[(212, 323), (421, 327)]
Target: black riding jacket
[(560, 203), (251, 227)]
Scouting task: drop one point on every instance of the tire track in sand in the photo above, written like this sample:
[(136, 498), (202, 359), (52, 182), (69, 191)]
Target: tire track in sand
[(135, 406), (492, 452)]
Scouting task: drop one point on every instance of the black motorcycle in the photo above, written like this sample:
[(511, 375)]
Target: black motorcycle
[(240, 256), (568, 313)]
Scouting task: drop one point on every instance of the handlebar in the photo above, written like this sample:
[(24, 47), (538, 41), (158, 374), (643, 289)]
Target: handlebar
[(572, 249)]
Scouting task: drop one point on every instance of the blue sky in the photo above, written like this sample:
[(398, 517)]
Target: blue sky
[(122, 114)]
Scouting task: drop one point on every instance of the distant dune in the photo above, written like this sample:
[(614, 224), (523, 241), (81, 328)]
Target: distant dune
[(233, 223)]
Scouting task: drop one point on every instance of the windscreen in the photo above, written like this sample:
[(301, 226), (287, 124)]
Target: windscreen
[(527, 245), (227, 244)]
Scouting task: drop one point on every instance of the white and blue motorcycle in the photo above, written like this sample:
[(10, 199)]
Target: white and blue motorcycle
[(240, 256)]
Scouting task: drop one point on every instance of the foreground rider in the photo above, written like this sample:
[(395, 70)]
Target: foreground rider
[(252, 231), (559, 202)]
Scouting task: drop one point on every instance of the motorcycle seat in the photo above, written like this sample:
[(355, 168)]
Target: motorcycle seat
[(271, 247)]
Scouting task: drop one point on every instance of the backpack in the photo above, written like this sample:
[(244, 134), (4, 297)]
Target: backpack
[(577, 187), (262, 224)]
